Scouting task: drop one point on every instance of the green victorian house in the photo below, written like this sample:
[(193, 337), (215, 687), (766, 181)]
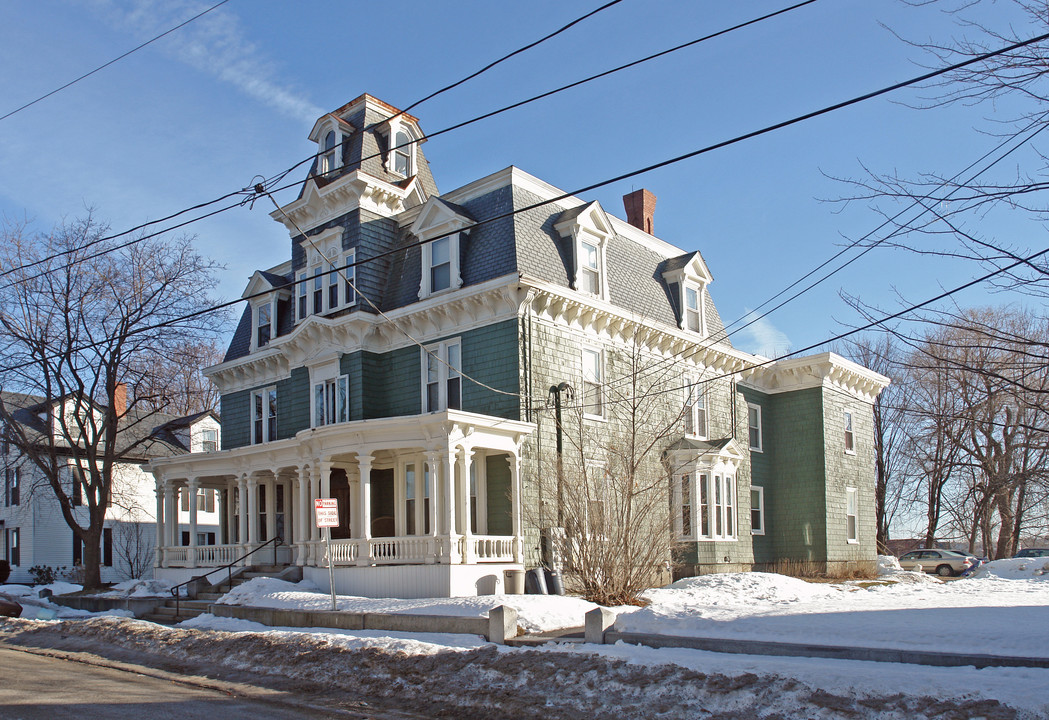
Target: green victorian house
[(400, 384)]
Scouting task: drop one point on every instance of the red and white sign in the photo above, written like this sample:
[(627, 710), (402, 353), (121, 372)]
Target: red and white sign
[(327, 512)]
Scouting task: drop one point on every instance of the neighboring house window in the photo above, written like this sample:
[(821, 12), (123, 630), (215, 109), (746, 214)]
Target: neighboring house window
[(754, 425), (696, 410), (209, 440), (694, 308), (851, 525), (76, 485), (328, 153), (264, 415), (593, 377), (11, 491), (206, 500), (403, 153), (590, 268), (442, 378), (14, 549), (331, 401), (757, 510), (205, 538), (850, 440), (78, 550)]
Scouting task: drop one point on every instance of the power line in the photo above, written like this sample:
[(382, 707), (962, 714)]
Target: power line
[(280, 175), (664, 163), (116, 59)]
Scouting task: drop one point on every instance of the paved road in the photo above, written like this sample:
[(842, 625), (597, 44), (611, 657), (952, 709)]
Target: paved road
[(39, 687)]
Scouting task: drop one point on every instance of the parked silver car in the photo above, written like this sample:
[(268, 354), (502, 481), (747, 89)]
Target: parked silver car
[(1032, 553), (944, 563)]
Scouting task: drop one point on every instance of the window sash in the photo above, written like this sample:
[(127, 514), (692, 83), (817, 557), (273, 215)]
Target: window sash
[(303, 308), (318, 291), (693, 318), (263, 332), (331, 401), (849, 437), (686, 505), (443, 377), (593, 402), (757, 510), (851, 520), (350, 273), (440, 264), (754, 426)]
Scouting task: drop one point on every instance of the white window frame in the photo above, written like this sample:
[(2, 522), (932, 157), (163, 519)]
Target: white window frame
[(697, 415), (330, 401), (209, 435), (439, 369), (597, 382), (699, 313), (256, 317), (263, 399), (760, 508), (761, 432), (850, 435), (852, 535), (323, 271), (455, 280), (348, 278), (598, 243), (719, 488), (686, 502), (329, 160), (407, 152)]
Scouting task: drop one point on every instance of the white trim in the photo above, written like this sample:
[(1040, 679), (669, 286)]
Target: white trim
[(266, 409), (854, 538), (442, 364), (761, 430), (760, 490), (599, 381), (849, 438)]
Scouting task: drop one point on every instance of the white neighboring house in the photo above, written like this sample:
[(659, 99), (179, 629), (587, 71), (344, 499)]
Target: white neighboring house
[(33, 531)]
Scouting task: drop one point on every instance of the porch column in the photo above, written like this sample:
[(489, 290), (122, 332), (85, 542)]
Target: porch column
[(271, 506), (231, 518), (464, 505), (430, 493), (515, 505), (159, 549), (315, 532), (364, 468), (171, 513), (192, 487), (448, 471), (253, 513), (242, 519), (302, 527)]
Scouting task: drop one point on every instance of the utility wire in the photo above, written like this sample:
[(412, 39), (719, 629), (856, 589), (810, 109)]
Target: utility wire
[(664, 163), (116, 59), (268, 183)]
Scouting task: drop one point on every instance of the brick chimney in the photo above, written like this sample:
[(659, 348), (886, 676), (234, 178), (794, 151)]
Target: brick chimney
[(120, 399), (640, 207)]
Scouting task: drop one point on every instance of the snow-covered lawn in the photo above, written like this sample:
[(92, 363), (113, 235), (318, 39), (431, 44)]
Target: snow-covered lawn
[(1003, 609)]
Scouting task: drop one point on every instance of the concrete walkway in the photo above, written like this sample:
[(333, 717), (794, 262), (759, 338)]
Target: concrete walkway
[(760, 647)]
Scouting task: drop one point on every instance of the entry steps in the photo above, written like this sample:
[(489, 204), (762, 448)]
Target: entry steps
[(168, 614)]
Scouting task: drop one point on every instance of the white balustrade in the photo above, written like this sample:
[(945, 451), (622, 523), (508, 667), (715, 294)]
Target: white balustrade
[(176, 556), (343, 552), (216, 555), (493, 548)]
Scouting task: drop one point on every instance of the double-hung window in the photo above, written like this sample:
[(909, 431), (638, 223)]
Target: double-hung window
[(696, 410), (303, 308), (331, 401), (686, 505), (264, 325), (757, 510), (440, 264), (851, 520), (349, 272), (11, 491), (318, 290), (402, 153), (328, 152), (850, 439), (209, 440), (693, 308), (754, 426), (593, 377), (264, 415), (590, 268), (14, 549), (442, 376), (333, 285)]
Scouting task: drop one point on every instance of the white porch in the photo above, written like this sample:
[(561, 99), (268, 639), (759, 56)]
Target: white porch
[(441, 490)]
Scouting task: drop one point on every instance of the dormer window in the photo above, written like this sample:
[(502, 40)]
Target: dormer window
[(263, 325), (442, 227), (694, 308), (687, 278), (440, 264), (589, 278), (403, 153), (328, 161), (588, 229)]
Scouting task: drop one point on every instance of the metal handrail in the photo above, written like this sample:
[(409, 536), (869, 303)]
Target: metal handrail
[(277, 541)]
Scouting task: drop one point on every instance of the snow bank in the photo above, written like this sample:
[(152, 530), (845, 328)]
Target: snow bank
[(536, 613), (138, 588), (888, 565), (1015, 569), (57, 588)]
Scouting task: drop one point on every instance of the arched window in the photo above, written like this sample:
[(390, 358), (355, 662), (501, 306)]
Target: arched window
[(402, 153), (327, 161)]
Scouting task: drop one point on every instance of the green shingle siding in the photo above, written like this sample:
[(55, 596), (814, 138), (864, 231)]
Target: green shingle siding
[(391, 383), (490, 356), (236, 419), (293, 403)]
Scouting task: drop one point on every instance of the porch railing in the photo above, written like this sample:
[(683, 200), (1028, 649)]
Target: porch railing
[(201, 555), (420, 549)]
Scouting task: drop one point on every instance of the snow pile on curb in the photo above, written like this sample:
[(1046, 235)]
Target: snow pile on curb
[(35, 607), (1015, 569), (140, 588), (536, 613)]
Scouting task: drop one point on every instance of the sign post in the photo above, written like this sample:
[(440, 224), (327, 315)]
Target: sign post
[(326, 510)]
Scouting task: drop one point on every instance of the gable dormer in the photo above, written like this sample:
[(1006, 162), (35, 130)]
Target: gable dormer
[(403, 138), (264, 293), (587, 230), (443, 227), (687, 278), (331, 133)]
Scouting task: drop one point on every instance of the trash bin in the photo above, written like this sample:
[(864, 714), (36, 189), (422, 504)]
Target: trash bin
[(554, 586), (514, 582), (535, 582)]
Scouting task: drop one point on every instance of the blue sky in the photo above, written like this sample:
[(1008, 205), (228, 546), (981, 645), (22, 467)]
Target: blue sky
[(234, 95)]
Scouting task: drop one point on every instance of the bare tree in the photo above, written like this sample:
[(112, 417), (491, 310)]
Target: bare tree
[(615, 495), (82, 322), (134, 545)]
